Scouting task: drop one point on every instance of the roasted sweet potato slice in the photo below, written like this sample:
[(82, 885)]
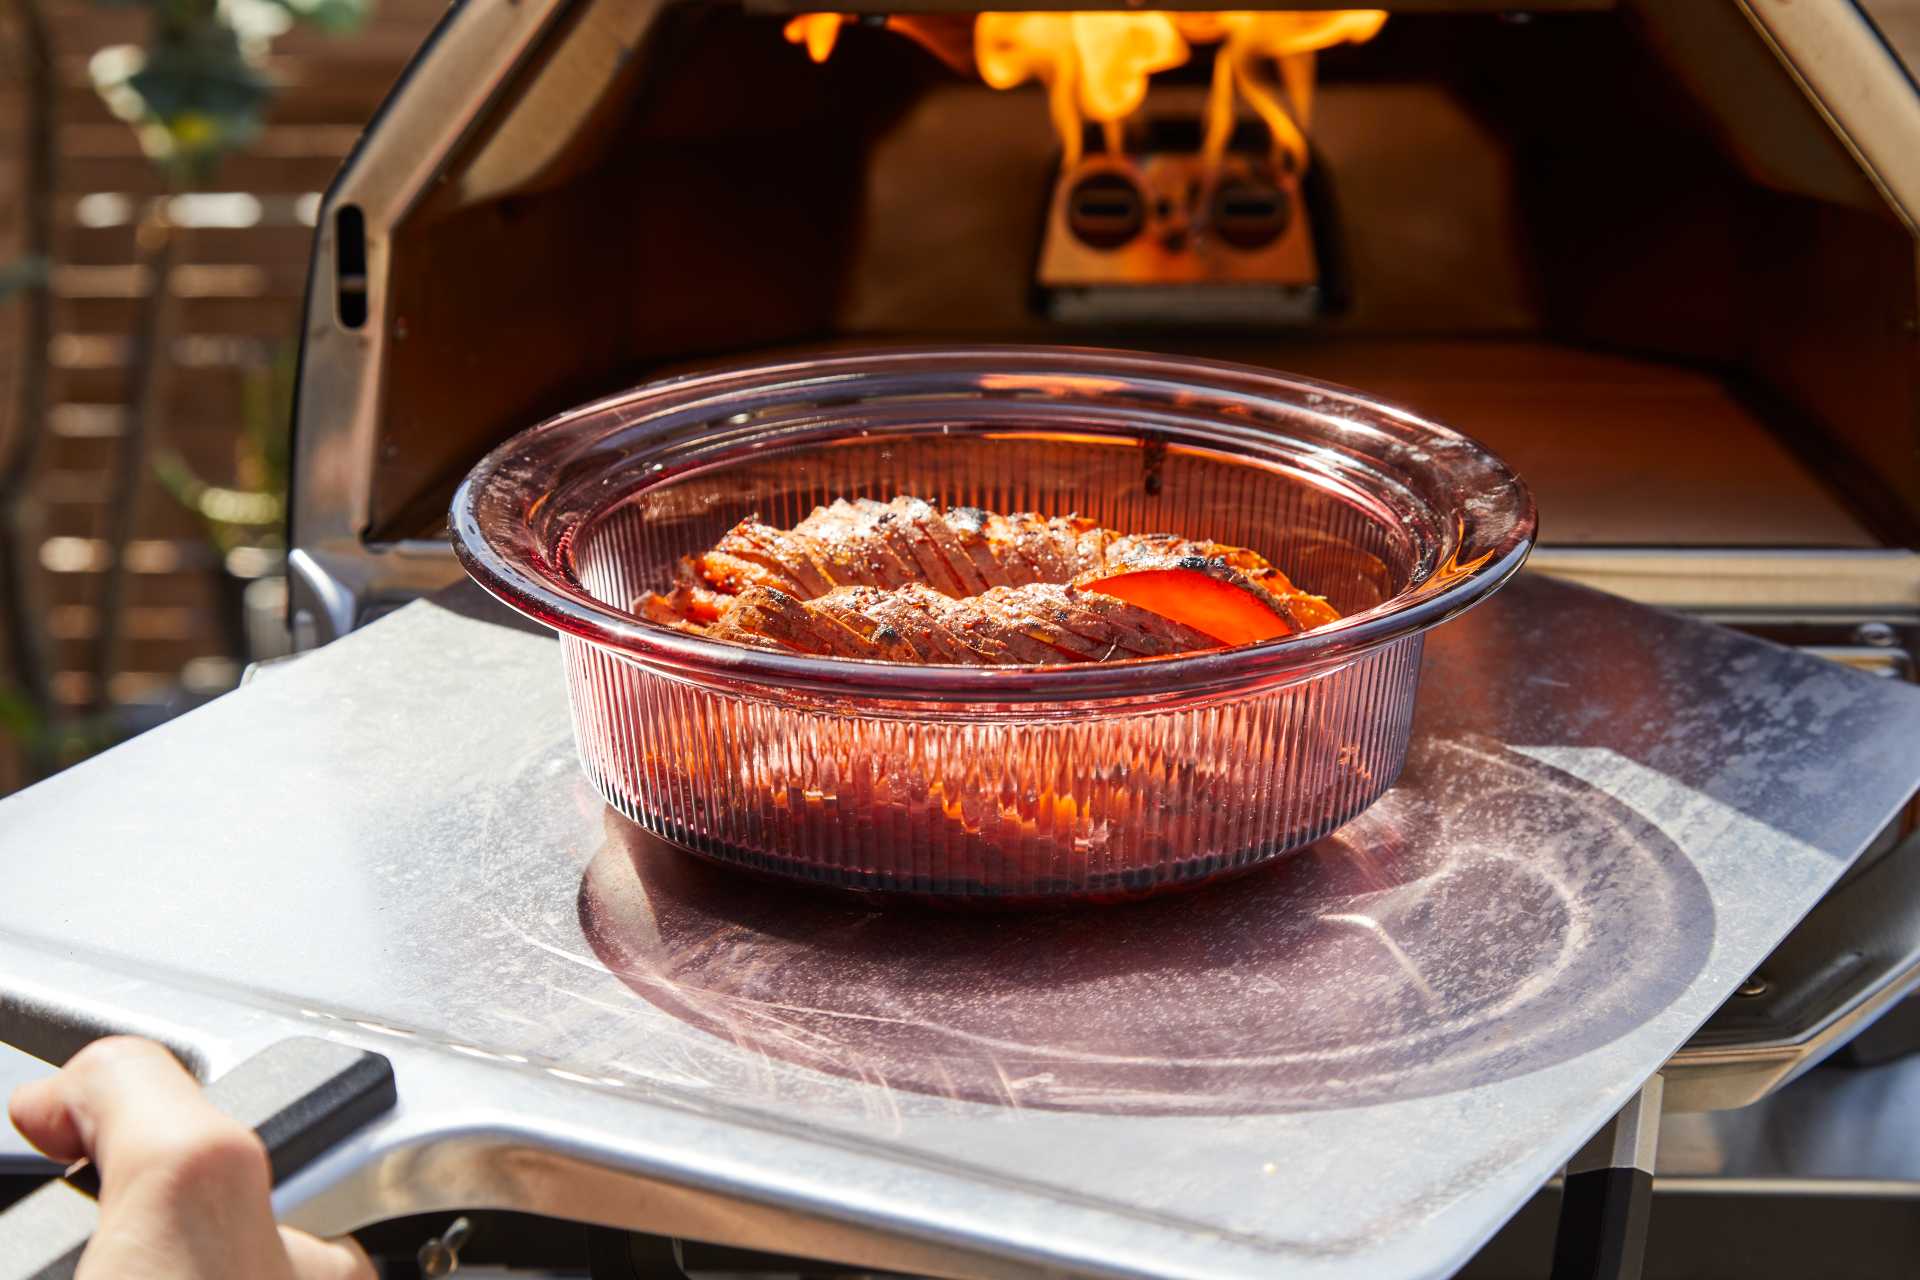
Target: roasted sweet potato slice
[(1225, 606)]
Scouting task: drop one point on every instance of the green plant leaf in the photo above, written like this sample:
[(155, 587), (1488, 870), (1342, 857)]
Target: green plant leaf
[(335, 17), (232, 517), (196, 92), (18, 718), (177, 477), (192, 96), (20, 275), (202, 88), (267, 400)]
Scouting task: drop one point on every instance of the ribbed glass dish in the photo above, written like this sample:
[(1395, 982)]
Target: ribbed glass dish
[(1001, 783)]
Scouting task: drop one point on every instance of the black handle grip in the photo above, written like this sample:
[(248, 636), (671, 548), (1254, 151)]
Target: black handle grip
[(1603, 1225), (301, 1096), (1608, 1195)]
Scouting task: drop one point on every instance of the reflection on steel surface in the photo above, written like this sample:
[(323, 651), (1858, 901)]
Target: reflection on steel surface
[(1522, 927)]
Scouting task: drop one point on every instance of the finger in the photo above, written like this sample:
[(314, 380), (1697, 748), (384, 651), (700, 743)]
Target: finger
[(183, 1187), (138, 1113), (316, 1259), (38, 1110)]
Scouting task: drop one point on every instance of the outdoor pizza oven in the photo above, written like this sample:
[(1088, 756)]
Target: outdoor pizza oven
[(1659, 256)]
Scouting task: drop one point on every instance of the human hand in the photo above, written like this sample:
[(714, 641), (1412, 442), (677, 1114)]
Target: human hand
[(183, 1187)]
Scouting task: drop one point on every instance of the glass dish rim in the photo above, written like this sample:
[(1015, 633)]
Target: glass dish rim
[(526, 571)]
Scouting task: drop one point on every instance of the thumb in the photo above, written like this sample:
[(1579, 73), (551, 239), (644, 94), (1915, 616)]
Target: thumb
[(134, 1110), (183, 1187)]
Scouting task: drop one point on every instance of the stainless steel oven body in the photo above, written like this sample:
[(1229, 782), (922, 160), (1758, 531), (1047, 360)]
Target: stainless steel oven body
[(1661, 255)]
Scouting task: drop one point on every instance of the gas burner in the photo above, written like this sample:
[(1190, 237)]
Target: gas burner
[(1166, 236)]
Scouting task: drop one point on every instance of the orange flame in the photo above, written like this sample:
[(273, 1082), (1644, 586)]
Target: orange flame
[(817, 31), (1290, 40), (1096, 66), (936, 33)]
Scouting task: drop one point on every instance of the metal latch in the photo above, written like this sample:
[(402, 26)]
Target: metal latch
[(440, 1256)]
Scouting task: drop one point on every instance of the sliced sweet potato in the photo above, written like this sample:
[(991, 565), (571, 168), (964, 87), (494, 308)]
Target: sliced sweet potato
[(1225, 607)]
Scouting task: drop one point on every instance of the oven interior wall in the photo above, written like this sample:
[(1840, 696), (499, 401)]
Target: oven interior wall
[(1687, 326)]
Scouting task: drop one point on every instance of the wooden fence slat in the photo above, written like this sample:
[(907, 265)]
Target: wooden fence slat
[(214, 316), (346, 95), (281, 250), (112, 140), (161, 517), (191, 393), (80, 175)]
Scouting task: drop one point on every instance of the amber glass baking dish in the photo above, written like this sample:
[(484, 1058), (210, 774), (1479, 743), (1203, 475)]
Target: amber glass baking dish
[(1014, 783)]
